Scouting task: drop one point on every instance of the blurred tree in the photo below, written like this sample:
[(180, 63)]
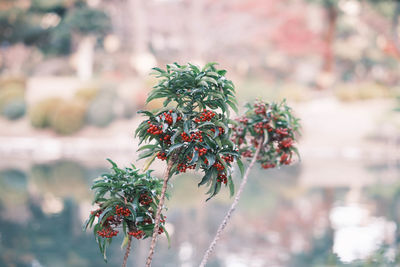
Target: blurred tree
[(49, 24)]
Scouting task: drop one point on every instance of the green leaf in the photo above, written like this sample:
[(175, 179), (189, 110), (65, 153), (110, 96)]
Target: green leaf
[(241, 167), (231, 186), (217, 187), (194, 158), (145, 154), (186, 126), (174, 147), (206, 177)]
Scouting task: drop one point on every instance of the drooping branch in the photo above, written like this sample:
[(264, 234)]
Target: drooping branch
[(232, 208), (158, 214)]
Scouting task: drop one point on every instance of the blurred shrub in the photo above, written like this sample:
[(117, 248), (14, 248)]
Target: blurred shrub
[(360, 91), (14, 109), (100, 112), (9, 82), (68, 117), (12, 98), (373, 90), (9, 94), (87, 93), (41, 113)]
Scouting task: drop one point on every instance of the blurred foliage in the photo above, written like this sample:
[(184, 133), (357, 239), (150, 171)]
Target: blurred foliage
[(87, 93), (68, 117), (361, 91), (100, 112), (66, 19), (40, 113), (12, 98), (15, 109)]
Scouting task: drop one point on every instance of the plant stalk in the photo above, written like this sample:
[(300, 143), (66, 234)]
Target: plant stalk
[(128, 249), (158, 214), (232, 208)]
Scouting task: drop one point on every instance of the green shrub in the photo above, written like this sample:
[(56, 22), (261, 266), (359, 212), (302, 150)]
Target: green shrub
[(100, 112), (10, 94), (68, 117), (41, 113), (14, 109)]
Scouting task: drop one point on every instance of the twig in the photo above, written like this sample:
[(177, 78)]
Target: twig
[(128, 249), (158, 214), (232, 208)]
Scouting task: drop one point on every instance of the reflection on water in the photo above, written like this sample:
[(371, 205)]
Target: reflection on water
[(278, 223)]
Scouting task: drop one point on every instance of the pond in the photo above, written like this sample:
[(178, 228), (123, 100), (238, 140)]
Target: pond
[(279, 222)]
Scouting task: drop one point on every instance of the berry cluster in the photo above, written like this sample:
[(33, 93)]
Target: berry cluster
[(139, 234), (259, 108), (107, 232), (267, 165), (121, 211), (259, 127), (145, 199), (221, 131), (166, 138), (218, 166), (182, 167), (278, 146), (247, 154), (154, 129), (228, 158), (282, 131), (285, 158), (221, 178), (206, 115), (202, 151), (194, 136), (162, 155)]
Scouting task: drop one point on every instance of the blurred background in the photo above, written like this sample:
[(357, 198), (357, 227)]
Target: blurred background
[(74, 73)]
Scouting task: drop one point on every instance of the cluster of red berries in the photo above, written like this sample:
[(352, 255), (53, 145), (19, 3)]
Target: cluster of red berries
[(193, 136), (259, 127), (228, 158), (139, 234), (218, 166), (107, 232), (182, 167), (121, 211), (286, 143), (145, 199), (163, 220), (243, 120), (282, 131), (166, 138), (268, 165), (247, 154), (221, 178), (259, 108), (285, 159), (154, 129), (206, 115), (221, 131), (162, 155), (168, 117), (202, 151)]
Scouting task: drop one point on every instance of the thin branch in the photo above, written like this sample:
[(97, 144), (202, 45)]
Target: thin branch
[(128, 249), (232, 208), (158, 214)]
